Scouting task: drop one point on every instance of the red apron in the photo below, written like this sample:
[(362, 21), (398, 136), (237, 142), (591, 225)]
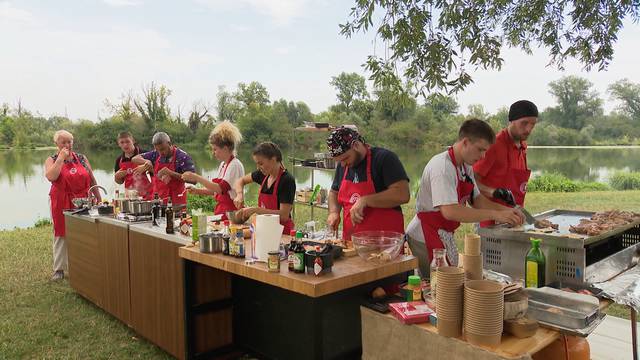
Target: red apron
[(174, 188), (224, 201), (382, 219), (438, 231), (138, 182), (73, 182), (516, 180), (270, 201)]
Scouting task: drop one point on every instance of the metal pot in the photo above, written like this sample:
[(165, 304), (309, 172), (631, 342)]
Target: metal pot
[(127, 207), (329, 163), (210, 242), (141, 207)]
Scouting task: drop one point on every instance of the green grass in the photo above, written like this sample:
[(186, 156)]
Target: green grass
[(48, 320)]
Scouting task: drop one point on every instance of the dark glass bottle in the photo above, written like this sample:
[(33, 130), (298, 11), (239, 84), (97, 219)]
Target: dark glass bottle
[(169, 215)]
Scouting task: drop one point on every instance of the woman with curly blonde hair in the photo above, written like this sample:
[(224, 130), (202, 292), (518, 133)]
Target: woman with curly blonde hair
[(224, 139)]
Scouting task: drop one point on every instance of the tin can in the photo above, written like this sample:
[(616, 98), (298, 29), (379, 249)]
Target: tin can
[(273, 261)]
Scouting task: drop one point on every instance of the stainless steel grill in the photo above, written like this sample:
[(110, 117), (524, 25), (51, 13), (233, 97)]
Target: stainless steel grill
[(570, 259)]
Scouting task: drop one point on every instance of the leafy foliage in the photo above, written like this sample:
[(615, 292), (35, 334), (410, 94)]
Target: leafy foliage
[(625, 181)]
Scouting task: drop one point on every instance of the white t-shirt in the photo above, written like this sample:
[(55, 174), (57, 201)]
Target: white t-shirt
[(438, 187), (235, 171)]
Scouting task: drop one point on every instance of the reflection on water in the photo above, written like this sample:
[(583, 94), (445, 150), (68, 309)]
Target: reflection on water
[(25, 190)]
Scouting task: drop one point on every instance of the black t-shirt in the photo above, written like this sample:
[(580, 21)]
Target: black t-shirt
[(286, 186), (386, 169), (124, 158)]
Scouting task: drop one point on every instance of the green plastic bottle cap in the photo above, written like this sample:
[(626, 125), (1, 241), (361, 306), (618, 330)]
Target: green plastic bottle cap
[(299, 234), (414, 280), (536, 242)]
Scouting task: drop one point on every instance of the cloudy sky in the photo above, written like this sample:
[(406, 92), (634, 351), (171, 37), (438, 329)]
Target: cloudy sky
[(62, 57)]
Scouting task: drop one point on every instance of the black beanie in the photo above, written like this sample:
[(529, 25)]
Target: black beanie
[(522, 108)]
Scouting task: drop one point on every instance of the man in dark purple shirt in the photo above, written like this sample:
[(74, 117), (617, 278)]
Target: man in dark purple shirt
[(168, 162)]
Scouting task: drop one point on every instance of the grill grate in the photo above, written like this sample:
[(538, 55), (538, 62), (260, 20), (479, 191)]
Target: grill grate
[(631, 237)]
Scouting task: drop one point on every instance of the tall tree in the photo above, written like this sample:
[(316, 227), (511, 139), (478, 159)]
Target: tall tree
[(628, 94), (154, 107), (577, 102), (350, 87), (252, 94), (437, 42), (197, 113), (226, 105)]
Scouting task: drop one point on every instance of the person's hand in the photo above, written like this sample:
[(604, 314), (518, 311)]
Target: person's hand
[(505, 195), (164, 172), (512, 217), (121, 173), (239, 201), (64, 154), (190, 176), (193, 190), (165, 179), (357, 210), (333, 220), (141, 169)]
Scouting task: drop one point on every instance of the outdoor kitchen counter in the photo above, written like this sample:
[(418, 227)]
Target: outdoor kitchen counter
[(287, 315)]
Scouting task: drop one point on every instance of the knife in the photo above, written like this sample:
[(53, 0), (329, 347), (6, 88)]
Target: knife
[(527, 215)]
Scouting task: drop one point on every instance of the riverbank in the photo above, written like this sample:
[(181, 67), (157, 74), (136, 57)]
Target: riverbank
[(44, 319)]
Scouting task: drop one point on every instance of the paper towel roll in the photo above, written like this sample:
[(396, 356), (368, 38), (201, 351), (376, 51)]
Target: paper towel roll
[(267, 235)]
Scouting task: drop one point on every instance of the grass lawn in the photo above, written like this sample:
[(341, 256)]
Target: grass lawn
[(41, 319)]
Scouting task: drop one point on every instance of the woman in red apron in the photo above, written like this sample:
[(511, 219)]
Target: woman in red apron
[(383, 219), (175, 188), (270, 174), (223, 140), (438, 231), (71, 177)]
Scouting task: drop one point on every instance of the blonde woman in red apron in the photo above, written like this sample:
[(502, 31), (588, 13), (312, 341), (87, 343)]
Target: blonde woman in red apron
[(124, 171), (71, 176), (223, 140), (365, 208), (505, 165), (167, 178), (449, 196), (277, 186)]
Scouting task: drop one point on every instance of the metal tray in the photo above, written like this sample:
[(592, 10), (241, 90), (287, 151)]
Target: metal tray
[(584, 332), (561, 308), (564, 218)]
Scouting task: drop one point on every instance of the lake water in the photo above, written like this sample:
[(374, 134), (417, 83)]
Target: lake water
[(25, 190)]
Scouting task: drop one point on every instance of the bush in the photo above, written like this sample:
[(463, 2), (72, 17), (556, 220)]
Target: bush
[(625, 181), (592, 186), (42, 222), (204, 202), (552, 182)]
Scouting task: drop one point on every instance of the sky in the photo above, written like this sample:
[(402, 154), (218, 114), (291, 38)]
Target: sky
[(67, 57)]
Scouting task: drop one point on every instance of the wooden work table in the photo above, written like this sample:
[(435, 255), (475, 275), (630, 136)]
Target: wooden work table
[(345, 273), (287, 315)]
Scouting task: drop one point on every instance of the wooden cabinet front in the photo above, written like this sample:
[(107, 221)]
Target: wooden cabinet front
[(114, 247), (85, 260)]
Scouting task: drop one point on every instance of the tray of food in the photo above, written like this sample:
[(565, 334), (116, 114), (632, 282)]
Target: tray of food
[(563, 309)]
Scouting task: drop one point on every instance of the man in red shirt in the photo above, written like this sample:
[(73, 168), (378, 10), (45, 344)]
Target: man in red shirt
[(504, 166)]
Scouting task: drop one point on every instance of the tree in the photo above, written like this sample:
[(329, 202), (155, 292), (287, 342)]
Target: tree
[(350, 87), (394, 104), (442, 105), (296, 113), (252, 94), (438, 41), (125, 109), (227, 106), (628, 94), (154, 107), (198, 112), (576, 102)]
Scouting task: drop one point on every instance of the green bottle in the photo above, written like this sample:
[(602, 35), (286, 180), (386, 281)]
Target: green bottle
[(534, 266)]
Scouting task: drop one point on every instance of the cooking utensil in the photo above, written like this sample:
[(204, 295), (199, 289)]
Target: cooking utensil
[(378, 246), (556, 307), (527, 215)]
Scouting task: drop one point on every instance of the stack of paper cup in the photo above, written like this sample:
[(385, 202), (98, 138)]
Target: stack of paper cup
[(449, 301), (472, 259), (483, 312)]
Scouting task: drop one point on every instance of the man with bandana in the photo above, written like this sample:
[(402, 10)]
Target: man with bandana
[(503, 173), (370, 184)]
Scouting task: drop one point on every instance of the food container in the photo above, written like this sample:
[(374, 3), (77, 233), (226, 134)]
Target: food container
[(309, 261), (567, 310), (105, 210), (141, 207), (329, 163), (378, 246), (210, 242), (413, 312), (127, 207)]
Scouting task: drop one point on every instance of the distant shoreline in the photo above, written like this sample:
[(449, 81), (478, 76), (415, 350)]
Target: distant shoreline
[(584, 147), (35, 148)]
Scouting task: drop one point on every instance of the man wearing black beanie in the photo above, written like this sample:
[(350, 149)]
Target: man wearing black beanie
[(503, 174)]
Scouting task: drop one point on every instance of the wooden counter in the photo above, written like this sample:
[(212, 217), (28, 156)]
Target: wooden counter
[(346, 272), (86, 270)]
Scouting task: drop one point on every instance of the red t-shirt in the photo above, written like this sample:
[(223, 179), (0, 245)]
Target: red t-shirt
[(501, 156)]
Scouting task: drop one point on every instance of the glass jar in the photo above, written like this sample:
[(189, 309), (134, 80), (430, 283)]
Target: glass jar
[(439, 259)]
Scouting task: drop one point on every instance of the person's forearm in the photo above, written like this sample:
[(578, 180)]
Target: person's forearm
[(389, 198), (239, 187), (334, 205), (120, 176), (465, 214), (139, 160), (484, 189), (53, 172), (209, 185)]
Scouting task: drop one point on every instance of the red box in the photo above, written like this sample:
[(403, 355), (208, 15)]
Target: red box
[(414, 312)]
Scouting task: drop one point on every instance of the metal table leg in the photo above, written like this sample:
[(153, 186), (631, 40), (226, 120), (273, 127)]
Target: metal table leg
[(634, 336)]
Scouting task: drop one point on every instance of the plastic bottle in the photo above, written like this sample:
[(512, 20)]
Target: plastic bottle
[(535, 266), (225, 238), (415, 288), (291, 249), (240, 243), (439, 259)]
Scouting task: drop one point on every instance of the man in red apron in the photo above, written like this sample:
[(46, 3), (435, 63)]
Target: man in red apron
[(370, 184), (448, 196), (71, 176), (504, 167), (124, 167), (168, 163)]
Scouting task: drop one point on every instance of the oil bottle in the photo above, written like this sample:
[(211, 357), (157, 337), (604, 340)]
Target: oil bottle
[(534, 266)]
